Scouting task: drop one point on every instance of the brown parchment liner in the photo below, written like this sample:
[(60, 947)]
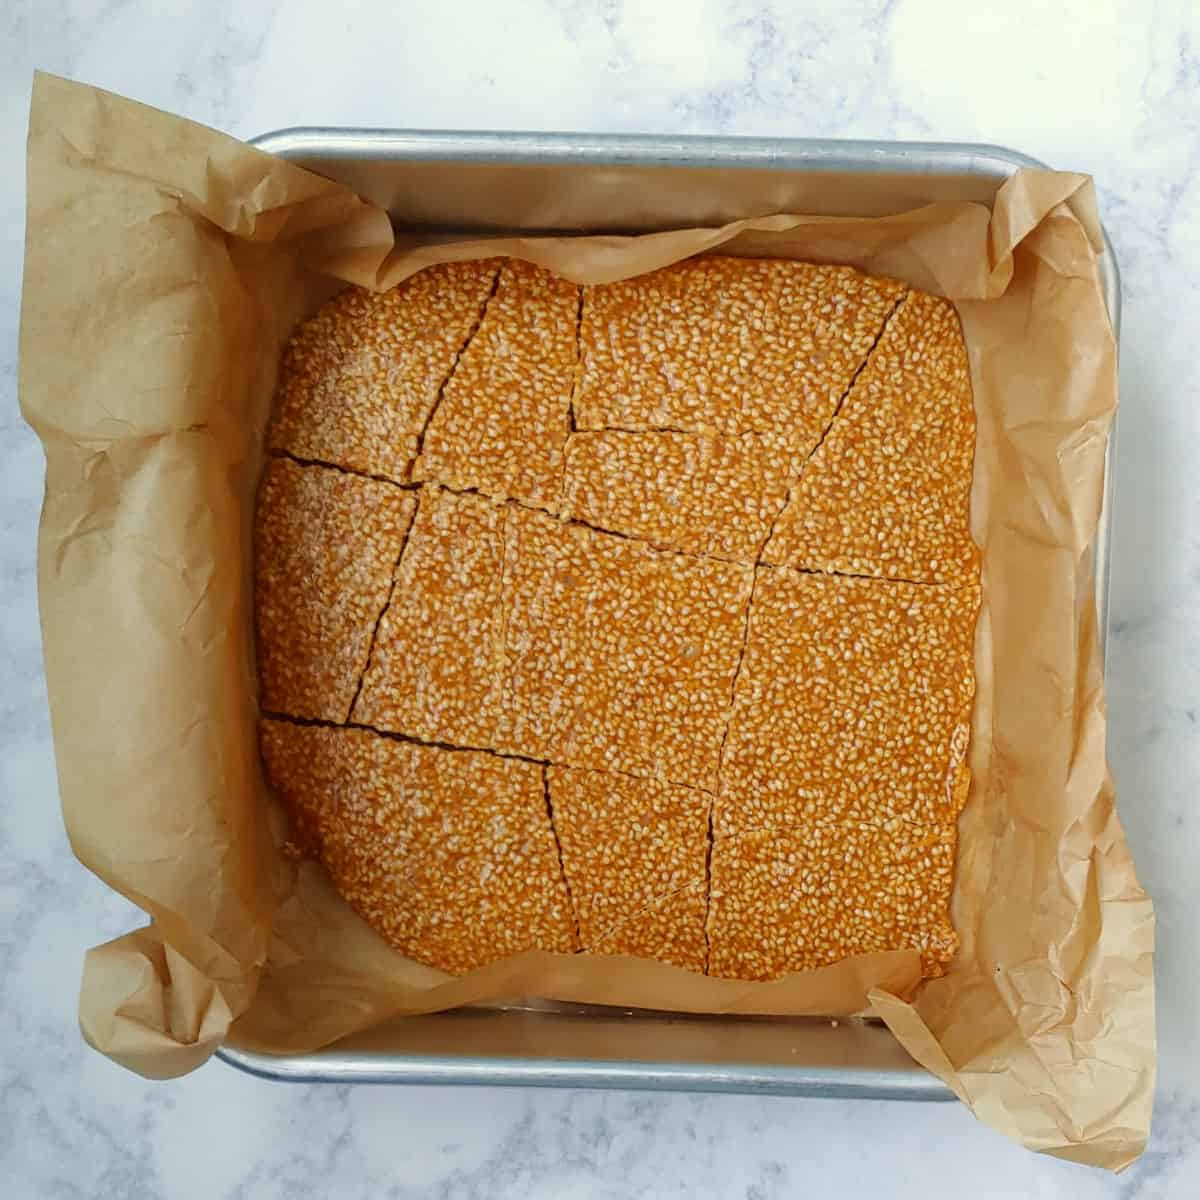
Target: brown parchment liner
[(165, 264)]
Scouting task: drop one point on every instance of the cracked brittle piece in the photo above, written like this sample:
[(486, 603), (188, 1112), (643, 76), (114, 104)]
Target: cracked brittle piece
[(504, 416), (853, 702), (634, 853), (325, 545), (670, 929), (728, 345), (617, 656), (448, 854), (697, 492), (887, 493), (435, 672), (796, 898), (359, 379)]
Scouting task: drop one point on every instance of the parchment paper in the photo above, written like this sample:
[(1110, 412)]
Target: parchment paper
[(165, 264)]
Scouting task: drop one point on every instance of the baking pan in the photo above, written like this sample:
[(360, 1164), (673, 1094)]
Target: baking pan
[(451, 183)]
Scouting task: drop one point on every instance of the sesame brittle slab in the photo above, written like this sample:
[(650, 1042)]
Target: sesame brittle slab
[(689, 553)]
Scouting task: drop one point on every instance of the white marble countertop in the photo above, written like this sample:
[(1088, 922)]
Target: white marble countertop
[(1111, 87)]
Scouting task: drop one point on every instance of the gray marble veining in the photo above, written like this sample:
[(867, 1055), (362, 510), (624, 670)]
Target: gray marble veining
[(1110, 87)]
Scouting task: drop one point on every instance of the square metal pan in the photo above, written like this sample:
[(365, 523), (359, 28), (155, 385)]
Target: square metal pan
[(487, 183)]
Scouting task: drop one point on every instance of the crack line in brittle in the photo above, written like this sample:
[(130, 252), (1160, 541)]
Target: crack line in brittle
[(577, 381), (324, 464), (434, 744), (658, 547), (580, 523), (562, 866), (737, 671), (407, 738), (862, 366), (619, 923), (949, 818), (441, 392), (691, 787), (576, 385), (946, 584), (383, 611), (500, 650), (650, 543), (679, 429)]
